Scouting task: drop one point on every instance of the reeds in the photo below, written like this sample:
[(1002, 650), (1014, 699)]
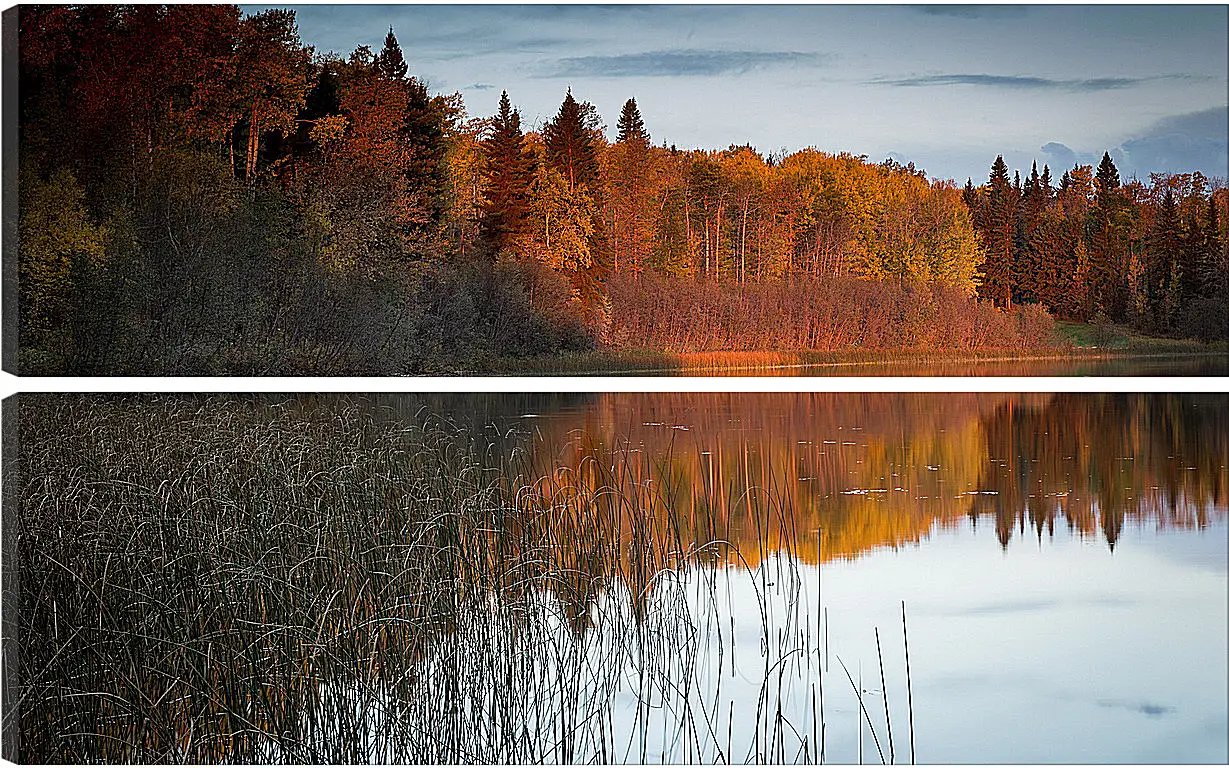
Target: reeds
[(215, 579)]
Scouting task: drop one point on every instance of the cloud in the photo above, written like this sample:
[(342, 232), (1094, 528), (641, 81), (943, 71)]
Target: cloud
[(1025, 82), (974, 11), (679, 63), (1194, 141), (479, 87), (1060, 156), (1182, 143), (1143, 707)]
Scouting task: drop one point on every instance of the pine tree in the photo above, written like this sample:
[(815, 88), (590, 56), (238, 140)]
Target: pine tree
[(1108, 255), (1191, 254), (508, 175), (390, 62), (1161, 271), (570, 147), (1107, 176), (631, 125), (999, 237), (571, 150), (969, 194), (631, 174), (1214, 269), (1032, 245)]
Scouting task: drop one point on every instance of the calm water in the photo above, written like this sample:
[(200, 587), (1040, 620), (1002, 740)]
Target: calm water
[(1141, 365), (694, 577), (1063, 560)]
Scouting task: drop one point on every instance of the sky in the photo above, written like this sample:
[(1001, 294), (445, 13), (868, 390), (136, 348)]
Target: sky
[(945, 87)]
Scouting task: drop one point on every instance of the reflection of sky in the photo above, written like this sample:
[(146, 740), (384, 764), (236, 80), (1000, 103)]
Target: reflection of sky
[(1058, 651), (946, 87)]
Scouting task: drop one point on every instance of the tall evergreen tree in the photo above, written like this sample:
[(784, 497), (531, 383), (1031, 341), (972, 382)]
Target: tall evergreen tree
[(508, 175), (999, 237), (631, 125), (1191, 255), (423, 126), (570, 146), (390, 61), (1164, 252), (1107, 176), (1214, 267), (631, 174), (1031, 246), (1108, 254), (571, 151)]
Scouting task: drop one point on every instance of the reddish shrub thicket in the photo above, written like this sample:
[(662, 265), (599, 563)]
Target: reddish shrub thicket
[(826, 314)]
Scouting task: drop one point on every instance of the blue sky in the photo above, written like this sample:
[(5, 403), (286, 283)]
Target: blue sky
[(946, 87)]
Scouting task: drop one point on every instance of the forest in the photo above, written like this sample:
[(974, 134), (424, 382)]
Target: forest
[(202, 192)]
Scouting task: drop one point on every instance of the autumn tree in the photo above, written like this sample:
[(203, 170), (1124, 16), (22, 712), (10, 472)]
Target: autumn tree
[(999, 237), (509, 171), (271, 79), (631, 168), (464, 161), (570, 149)]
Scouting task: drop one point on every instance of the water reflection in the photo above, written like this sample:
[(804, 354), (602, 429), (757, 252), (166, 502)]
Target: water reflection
[(884, 469), (622, 577), (1211, 364)]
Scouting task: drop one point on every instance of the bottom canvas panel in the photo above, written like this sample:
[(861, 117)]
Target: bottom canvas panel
[(644, 578)]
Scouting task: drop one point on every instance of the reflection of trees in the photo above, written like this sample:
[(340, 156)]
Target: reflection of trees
[(766, 472), (873, 470), (198, 572), (1098, 460)]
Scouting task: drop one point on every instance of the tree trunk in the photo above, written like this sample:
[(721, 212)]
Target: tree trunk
[(253, 148)]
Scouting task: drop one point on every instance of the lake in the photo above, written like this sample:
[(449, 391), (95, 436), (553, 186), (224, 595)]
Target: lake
[(755, 364), (626, 578)]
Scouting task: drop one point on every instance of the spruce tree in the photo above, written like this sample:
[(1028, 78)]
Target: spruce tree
[(1108, 257), (1030, 245), (570, 146), (508, 175), (1107, 176), (1214, 269), (631, 125), (1191, 256), (571, 150), (423, 128), (1164, 252), (390, 62), (999, 236)]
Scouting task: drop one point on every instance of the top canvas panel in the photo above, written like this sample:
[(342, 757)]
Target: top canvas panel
[(420, 190)]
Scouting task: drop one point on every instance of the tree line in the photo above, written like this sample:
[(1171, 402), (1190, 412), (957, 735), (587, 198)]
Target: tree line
[(201, 192), (1093, 248)]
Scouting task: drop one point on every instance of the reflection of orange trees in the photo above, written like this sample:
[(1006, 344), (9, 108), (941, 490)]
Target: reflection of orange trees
[(875, 470), (1099, 460), (767, 472)]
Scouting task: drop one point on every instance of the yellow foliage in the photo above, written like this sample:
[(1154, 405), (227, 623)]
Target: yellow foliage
[(329, 130), (55, 235)]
